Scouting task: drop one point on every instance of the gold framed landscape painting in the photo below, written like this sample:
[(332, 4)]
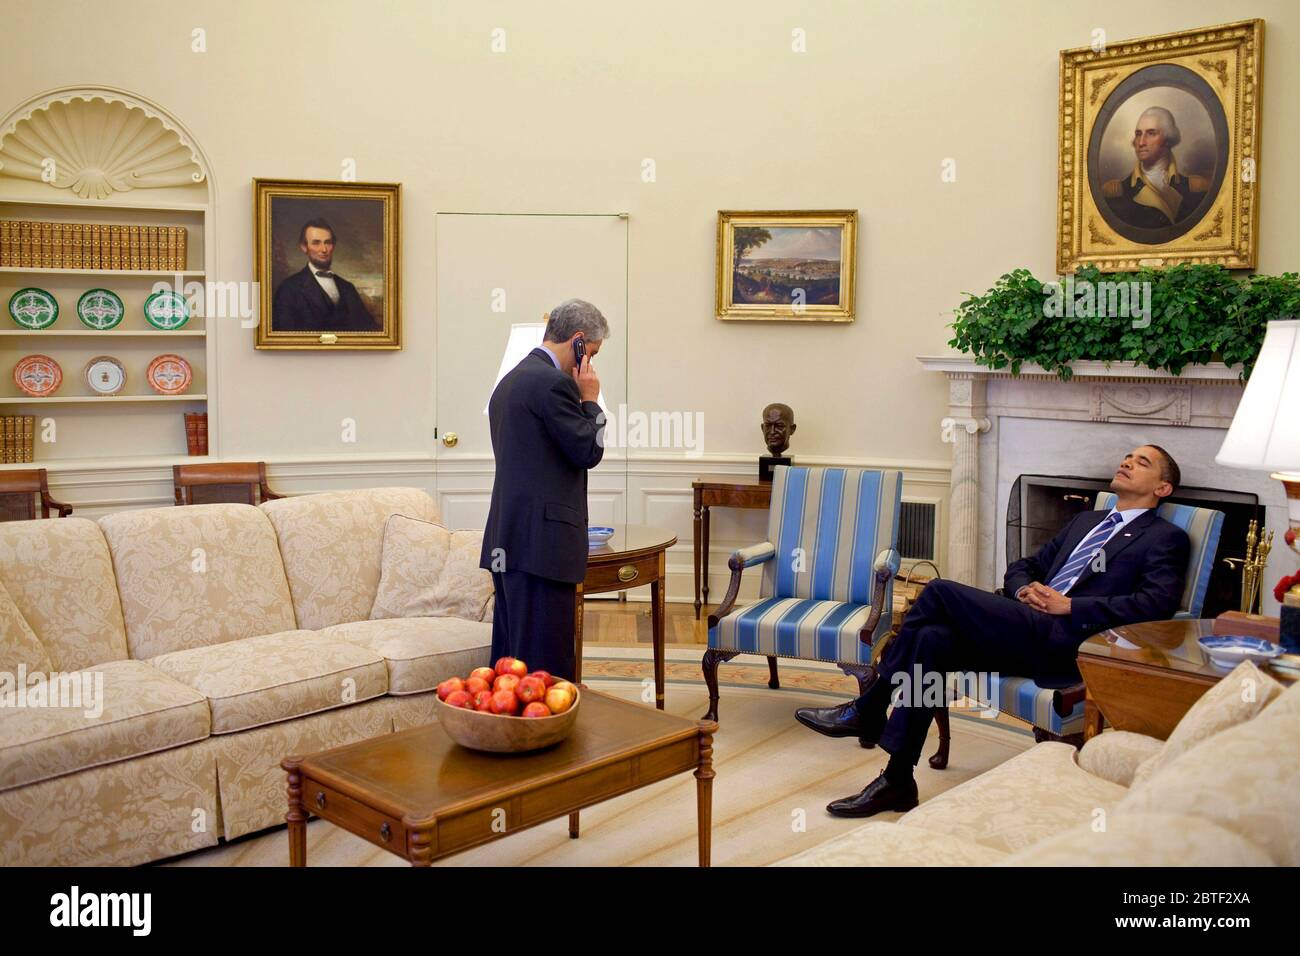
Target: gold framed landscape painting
[(327, 259), (786, 265), (1159, 143)]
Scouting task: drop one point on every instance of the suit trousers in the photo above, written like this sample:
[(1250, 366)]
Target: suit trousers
[(957, 628), (533, 621)]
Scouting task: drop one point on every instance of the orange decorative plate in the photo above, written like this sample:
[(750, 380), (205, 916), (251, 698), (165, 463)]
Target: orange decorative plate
[(38, 375), (170, 375)]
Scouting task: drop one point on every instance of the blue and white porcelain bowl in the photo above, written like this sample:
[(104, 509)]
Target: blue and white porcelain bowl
[(596, 536), (1229, 650)]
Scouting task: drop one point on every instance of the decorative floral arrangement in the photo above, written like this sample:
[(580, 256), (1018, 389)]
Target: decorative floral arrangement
[(1286, 584)]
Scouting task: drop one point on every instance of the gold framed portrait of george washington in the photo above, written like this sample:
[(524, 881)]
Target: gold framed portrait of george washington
[(1159, 147), (327, 259)]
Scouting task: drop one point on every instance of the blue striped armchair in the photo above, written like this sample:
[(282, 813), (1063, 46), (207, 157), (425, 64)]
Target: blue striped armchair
[(1056, 713), (828, 565)]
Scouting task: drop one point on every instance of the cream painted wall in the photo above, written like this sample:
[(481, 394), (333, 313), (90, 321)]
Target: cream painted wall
[(562, 121)]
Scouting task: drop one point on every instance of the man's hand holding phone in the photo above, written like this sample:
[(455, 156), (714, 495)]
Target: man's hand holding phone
[(588, 381)]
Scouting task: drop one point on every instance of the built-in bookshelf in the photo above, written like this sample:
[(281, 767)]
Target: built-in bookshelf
[(136, 423)]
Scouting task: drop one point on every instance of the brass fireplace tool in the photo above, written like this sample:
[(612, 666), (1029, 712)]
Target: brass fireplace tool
[(1258, 545)]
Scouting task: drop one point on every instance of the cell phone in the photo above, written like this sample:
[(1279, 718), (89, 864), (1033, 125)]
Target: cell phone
[(579, 350)]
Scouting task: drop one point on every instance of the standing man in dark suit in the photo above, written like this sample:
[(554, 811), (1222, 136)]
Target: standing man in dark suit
[(547, 430), (1102, 570), (317, 299)]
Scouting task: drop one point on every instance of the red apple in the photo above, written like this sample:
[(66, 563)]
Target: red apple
[(485, 674), (482, 700), (476, 684), (537, 709), (511, 665), (531, 689), (459, 698), (561, 697), (544, 675), (449, 686), (504, 702), (506, 682)]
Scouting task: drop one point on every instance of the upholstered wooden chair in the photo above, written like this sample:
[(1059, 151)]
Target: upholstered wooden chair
[(238, 482), (20, 491), (1056, 713), (828, 564)]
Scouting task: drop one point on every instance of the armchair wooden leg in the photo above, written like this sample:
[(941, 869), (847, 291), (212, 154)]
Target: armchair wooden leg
[(712, 658), (1074, 740), (940, 759), (773, 681)]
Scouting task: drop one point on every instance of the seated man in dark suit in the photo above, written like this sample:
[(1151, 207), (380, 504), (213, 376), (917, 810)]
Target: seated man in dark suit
[(1103, 569), (317, 299)]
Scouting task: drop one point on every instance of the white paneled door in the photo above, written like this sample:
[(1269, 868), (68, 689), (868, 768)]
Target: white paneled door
[(499, 271)]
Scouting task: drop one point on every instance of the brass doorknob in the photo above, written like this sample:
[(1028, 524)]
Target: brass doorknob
[(450, 439)]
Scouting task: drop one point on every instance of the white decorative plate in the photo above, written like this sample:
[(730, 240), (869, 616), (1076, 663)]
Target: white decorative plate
[(105, 375)]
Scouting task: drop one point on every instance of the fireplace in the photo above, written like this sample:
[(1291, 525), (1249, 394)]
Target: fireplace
[(1040, 505)]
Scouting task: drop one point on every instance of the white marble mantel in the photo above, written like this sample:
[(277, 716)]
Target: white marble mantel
[(998, 425)]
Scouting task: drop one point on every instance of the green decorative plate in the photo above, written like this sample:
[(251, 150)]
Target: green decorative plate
[(100, 309), (166, 310), (33, 308)]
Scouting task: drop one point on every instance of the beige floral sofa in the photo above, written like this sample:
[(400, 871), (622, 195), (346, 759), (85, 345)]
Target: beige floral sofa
[(225, 637), (1223, 790)]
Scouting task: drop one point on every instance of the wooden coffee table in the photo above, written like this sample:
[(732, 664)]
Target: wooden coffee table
[(417, 794)]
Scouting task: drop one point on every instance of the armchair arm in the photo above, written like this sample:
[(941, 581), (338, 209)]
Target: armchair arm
[(884, 570), (739, 560), (48, 502)]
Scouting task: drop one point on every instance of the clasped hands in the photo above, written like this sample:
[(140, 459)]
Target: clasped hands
[(1042, 598)]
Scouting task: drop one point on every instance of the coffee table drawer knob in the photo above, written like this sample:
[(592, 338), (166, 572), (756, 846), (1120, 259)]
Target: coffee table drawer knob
[(385, 832), (320, 799)]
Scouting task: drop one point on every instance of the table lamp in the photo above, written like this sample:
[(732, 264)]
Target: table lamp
[(524, 337), (1265, 436)]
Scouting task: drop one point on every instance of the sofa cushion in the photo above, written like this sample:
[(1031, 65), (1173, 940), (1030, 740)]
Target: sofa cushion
[(1117, 754), (19, 647), (429, 571), (332, 544), (196, 576), (420, 651), (1033, 795), (1246, 779), (888, 844), (263, 680), (1143, 839), (60, 576), (1240, 696), (115, 711)]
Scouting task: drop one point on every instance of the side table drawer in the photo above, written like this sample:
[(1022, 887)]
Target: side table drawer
[(616, 577), (369, 824)]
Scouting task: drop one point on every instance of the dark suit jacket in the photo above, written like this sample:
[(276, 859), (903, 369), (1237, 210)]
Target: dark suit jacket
[(1126, 206), (544, 439), (1146, 562), (301, 305)]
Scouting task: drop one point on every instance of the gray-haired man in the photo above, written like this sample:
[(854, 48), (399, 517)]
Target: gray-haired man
[(1156, 193), (547, 430)]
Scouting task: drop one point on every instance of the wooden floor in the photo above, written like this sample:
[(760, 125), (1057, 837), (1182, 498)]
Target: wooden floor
[(627, 624)]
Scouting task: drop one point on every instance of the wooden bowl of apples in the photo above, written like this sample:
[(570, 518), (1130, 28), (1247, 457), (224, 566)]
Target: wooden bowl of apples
[(507, 709)]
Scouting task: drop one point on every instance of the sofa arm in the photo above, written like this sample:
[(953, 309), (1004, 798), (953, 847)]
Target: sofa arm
[(886, 567), (740, 559)]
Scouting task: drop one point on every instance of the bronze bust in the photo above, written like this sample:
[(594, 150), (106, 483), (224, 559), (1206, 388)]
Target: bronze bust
[(778, 425)]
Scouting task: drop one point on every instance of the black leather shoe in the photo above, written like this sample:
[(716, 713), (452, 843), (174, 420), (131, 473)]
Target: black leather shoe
[(841, 721), (879, 796)]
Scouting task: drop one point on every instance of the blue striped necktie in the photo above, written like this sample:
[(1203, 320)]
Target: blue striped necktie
[(1073, 568)]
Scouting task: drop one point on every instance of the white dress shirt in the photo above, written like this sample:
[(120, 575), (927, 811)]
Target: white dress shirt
[(326, 282)]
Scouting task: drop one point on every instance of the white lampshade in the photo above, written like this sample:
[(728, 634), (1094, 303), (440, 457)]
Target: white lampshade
[(1265, 432), (524, 337)]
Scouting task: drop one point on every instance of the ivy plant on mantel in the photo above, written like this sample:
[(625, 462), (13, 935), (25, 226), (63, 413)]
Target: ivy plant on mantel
[(1198, 314)]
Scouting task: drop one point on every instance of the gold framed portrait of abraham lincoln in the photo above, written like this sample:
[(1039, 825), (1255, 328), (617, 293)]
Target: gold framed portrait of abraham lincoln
[(327, 258), (1159, 150)]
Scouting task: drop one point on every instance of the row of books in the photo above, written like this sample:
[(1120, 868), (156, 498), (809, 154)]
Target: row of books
[(27, 244), (196, 433), (16, 438)]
